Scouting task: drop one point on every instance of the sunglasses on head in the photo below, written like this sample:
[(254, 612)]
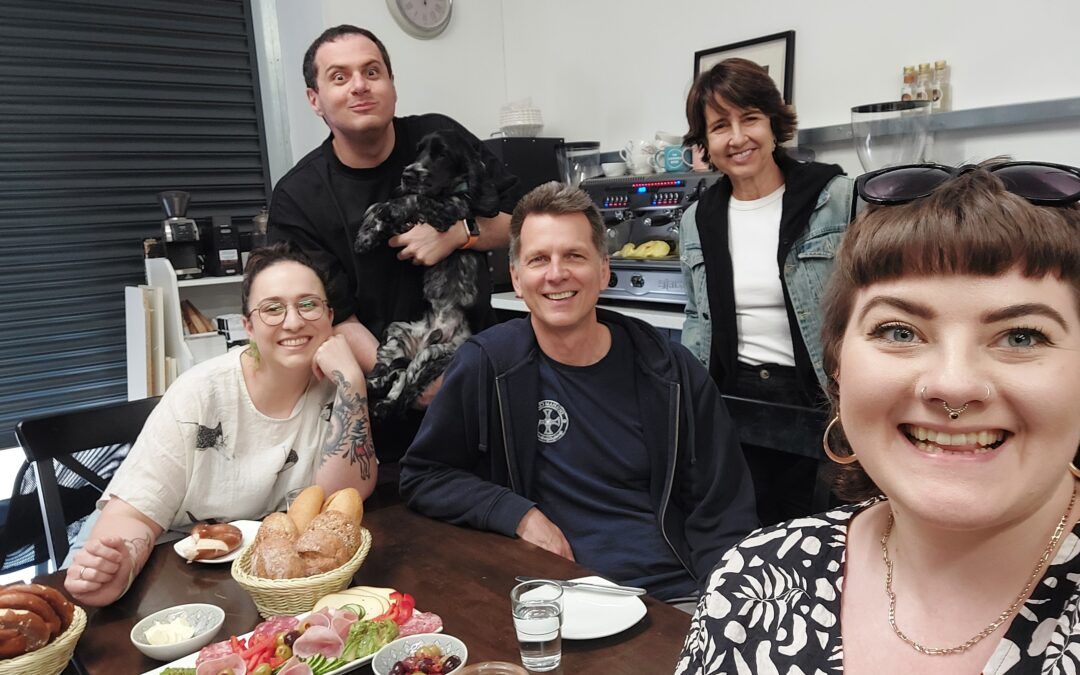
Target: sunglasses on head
[(1040, 183)]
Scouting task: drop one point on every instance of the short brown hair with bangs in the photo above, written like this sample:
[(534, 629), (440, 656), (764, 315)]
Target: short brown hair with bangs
[(743, 84), (970, 225)]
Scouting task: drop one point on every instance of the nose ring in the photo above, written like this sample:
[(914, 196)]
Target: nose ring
[(955, 413)]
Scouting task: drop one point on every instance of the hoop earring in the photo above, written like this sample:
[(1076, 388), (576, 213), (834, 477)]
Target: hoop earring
[(846, 459), (1074, 471)]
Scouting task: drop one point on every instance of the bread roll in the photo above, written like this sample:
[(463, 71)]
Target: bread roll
[(306, 506), (348, 502), (277, 525), (275, 557), (329, 542)]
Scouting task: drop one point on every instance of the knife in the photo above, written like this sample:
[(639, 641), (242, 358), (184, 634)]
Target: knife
[(602, 588)]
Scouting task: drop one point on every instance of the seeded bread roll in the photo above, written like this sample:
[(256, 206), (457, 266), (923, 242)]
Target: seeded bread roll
[(306, 506), (329, 542)]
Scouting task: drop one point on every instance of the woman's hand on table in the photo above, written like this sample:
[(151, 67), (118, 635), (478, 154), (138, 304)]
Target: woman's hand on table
[(99, 571), (535, 528)]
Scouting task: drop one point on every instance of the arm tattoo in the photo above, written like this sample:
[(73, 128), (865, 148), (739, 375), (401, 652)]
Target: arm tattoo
[(350, 435), (135, 547)]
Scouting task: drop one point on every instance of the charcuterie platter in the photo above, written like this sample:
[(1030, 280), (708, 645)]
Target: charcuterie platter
[(341, 634)]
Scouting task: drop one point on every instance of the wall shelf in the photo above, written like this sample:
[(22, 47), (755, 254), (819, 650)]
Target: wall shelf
[(210, 281), (975, 118)]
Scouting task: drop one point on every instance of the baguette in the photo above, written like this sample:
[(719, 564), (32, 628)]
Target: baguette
[(306, 506), (347, 501)]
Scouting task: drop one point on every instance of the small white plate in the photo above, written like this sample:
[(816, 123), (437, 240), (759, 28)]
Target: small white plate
[(595, 614), (249, 528)]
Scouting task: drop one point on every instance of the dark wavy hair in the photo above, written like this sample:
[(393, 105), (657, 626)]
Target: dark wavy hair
[(969, 225), (743, 84), (332, 35), (271, 254)]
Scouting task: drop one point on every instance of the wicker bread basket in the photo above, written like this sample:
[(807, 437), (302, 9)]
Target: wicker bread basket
[(53, 657), (274, 597)]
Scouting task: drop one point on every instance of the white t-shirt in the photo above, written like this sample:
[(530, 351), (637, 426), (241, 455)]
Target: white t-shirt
[(760, 313), (206, 450)]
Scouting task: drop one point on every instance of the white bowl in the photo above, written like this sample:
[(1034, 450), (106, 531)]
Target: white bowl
[(205, 619), (397, 650), (613, 169), (522, 130)]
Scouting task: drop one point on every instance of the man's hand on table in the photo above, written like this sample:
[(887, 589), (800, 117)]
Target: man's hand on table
[(99, 572), (424, 245), (535, 528)]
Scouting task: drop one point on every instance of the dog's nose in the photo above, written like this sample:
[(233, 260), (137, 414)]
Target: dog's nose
[(411, 177)]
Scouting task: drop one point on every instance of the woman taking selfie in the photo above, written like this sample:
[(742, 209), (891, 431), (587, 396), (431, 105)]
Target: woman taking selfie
[(234, 434), (756, 251), (952, 339)]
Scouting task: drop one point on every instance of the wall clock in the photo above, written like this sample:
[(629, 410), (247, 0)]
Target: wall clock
[(423, 19)]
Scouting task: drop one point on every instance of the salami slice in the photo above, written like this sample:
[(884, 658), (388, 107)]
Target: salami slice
[(214, 651), (275, 625), (420, 622)]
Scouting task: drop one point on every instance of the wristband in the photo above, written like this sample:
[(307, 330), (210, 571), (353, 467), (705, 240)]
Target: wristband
[(472, 230)]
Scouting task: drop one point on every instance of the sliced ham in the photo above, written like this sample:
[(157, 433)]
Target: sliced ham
[(420, 622), (216, 665), (294, 666), (319, 640)]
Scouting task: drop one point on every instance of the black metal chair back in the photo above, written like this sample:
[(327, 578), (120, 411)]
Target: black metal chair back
[(57, 438)]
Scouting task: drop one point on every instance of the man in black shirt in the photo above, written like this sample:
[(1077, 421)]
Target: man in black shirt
[(583, 431), (321, 202)]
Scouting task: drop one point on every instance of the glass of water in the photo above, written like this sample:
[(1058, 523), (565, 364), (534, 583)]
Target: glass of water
[(538, 609)]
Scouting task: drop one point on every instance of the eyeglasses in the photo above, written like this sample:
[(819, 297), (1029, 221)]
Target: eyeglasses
[(272, 312), (1040, 183)]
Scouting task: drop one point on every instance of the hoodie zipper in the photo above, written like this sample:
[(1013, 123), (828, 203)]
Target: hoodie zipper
[(506, 446), (670, 485)]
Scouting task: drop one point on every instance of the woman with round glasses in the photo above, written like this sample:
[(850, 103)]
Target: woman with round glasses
[(756, 250), (952, 342), (234, 434)]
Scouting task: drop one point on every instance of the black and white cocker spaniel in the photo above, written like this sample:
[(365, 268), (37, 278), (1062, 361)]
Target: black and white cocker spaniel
[(447, 183)]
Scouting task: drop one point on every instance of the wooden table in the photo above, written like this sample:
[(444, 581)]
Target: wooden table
[(463, 575)]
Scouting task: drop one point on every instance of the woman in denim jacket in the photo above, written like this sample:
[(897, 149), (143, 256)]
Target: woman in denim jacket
[(756, 251)]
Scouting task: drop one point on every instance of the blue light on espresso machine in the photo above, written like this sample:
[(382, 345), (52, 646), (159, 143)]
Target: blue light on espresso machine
[(642, 190)]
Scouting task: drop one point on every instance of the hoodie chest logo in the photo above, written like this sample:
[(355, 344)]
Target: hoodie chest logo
[(553, 422)]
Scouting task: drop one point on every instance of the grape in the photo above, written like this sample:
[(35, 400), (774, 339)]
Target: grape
[(451, 662), (291, 637), (399, 669)]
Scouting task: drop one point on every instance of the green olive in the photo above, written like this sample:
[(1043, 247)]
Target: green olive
[(283, 653), (280, 638), (263, 669), (226, 671)]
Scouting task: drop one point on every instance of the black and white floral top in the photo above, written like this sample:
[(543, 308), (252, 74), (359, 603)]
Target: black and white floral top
[(773, 606)]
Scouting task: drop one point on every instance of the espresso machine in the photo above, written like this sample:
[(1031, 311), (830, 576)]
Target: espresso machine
[(181, 234), (642, 209)]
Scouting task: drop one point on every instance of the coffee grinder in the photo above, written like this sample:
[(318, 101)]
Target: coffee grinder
[(181, 235)]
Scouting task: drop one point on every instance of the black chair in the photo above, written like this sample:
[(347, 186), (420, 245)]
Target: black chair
[(93, 435)]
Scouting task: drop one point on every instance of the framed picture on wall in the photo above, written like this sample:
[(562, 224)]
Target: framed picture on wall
[(775, 53)]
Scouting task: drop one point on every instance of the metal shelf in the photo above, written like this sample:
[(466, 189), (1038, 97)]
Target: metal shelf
[(975, 118)]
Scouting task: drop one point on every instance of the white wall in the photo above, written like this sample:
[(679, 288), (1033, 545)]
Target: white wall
[(611, 70), (460, 73)]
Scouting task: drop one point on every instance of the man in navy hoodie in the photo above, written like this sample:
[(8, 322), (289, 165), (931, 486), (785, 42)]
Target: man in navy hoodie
[(583, 431)]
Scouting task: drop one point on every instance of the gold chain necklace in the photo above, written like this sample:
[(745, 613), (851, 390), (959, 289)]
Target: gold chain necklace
[(1002, 618)]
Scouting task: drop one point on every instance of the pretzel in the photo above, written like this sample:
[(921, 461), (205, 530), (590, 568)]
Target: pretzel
[(13, 599), (214, 541), (63, 608), (21, 631)]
